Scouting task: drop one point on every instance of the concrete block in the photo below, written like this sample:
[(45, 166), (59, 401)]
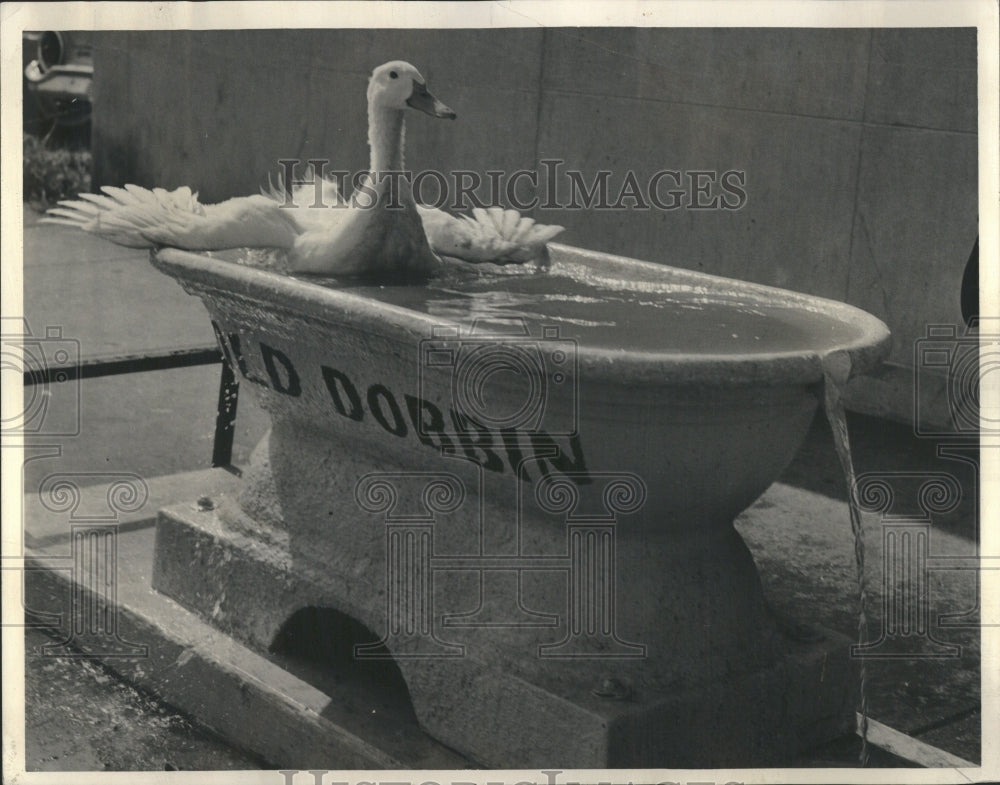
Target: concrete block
[(247, 699), (249, 589), (925, 78), (914, 226), (78, 497), (817, 73), (320, 82), (793, 230)]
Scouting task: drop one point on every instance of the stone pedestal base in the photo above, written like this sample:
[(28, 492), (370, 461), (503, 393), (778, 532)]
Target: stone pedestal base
[(534, 690)]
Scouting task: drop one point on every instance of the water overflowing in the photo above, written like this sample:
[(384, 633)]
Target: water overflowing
[(836, 371)]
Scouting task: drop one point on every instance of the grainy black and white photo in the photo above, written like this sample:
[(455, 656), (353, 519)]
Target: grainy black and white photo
[(500, 392)]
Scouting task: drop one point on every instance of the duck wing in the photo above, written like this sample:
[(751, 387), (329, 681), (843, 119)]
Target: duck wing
[(491, 235), (138, 217), (313, 204)]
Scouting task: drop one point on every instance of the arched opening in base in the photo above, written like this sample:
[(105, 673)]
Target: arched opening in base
[(318, 646)]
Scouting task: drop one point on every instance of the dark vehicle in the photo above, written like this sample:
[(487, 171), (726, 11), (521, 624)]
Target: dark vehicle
[(58, 73)]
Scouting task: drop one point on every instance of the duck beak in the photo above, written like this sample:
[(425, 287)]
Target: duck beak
[(425, 102)]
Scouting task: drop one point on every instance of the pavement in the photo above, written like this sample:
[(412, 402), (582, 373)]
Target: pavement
[(80, 717), (109, 300)]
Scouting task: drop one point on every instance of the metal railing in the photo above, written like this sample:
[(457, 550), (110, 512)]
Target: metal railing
[(118, 365)]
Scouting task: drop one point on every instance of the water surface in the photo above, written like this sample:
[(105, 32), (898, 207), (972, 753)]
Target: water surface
[(654, 317), (650, 318)]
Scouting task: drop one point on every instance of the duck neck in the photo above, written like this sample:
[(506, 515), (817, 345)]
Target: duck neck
[(386, 129)]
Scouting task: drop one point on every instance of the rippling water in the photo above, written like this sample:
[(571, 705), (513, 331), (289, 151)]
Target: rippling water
[(604, 312), (660, 318)]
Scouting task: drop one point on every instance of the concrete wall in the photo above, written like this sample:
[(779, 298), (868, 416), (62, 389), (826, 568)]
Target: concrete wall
[(859, 146)]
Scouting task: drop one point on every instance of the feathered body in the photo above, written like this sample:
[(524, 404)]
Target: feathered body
[(380, 232)]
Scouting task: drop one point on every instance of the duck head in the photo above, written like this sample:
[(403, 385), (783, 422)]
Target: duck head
[(398, 85)]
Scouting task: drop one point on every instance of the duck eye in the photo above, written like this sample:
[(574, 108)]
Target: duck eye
[(393, 75)]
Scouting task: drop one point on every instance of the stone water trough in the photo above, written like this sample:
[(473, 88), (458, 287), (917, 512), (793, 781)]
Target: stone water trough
[(523, 484)]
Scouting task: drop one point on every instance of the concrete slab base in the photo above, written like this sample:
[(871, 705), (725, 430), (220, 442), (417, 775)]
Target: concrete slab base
[(249, 590), (250, 700), (288, 714)]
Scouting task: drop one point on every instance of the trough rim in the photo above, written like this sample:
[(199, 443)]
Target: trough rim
[(210, 277)]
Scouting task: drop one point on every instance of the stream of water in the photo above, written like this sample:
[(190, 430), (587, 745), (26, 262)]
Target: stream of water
[(836, 371)]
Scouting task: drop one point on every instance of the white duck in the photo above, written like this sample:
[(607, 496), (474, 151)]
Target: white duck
[(356, 238)]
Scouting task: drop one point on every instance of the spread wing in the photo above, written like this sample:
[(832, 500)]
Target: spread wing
[(488, 235), (142, 218)]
